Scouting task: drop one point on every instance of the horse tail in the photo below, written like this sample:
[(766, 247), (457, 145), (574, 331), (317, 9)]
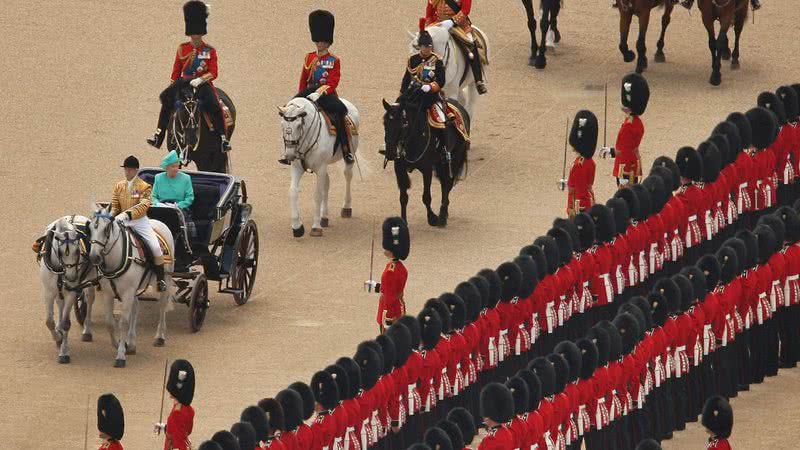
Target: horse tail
[(459, 155)]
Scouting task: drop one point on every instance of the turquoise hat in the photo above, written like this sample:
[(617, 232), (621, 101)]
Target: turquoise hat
[(171, 158)]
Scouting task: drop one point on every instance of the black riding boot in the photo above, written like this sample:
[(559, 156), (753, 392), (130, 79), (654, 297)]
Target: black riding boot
[(341, 137), (756, 4), (687, 3), (161, 130), (159, 270), (477, 71)]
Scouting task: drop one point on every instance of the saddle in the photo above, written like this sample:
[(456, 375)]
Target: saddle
[(226, 116), (352, 130), (453, 115), (143, 251), (460, 37)]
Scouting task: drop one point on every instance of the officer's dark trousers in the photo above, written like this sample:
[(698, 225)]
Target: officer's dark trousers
[(757, 352), (724, 364), (679, 402), (206, 99), (337, 111), (771, 362), (694, 394), (789, 322), (743, 344)]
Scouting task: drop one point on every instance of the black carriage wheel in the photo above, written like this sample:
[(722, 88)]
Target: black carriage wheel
[(81, 308), (198, 303), (246, 264)]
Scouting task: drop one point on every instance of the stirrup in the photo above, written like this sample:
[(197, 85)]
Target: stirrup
[(481, 87), (349, 158), (284, 161), (156, 139), (161, 286), (225, 143)]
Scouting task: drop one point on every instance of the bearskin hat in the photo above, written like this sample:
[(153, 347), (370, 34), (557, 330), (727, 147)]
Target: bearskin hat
[(465, 422), (307, 395), (274, 413), (600, 339), (431, 328), (180, 383), (530, 278), (589, 357), (790, 102), (796, 88), (353, 370), (572, 354), (648, 444), (614, 340), (686, 296), (712, 160), (292, 407), (751, 243), (471, 298), (495, 286), (551, 252), (703, 278), (387, 353), (510, 280), (457, 308), (110, 417), (519, 392), (619, 209), (656, 189), (370, 362), (659, 307), (568, 226), (645, 308), (723, 146), (645, 201), (791, 222), (245, 434), (536, 252), (667, 179), (195, 14), (737, 245), (671, 292), (444, 313), (226, 440), (764, 126), (775, 222), (562, 371), (637, 314), (453, 432), (497, 403), (563, 241), (583, 136), (341, 380), (482, 286), (667, 163), (744, 128), (603, 220), (396, 238), (437, 439), (690, 163), (544, 370), (629, 331), (255, 416), (718, 416), (534, 388), (630, 198), (209, 445), (766, 242), (401, 338), (414, 329), (321, 23), (585, 227), (325, 389), (635, 93), (728, 263), (731, 133), (774, 104)]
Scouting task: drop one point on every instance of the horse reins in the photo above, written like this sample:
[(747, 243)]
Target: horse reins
[(301, 155), (108, 247)]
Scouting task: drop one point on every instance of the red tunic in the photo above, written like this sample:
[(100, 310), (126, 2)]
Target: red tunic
[(191, 62), (323, 431), (580, 194), (429, 378), (519, 431), (601, 284), (322, 72), (111, 445), (716, 443), (393, 282), (782, 148), (498, 438), (627, 161), (438, 10), (305, 437), (179, 427), (288, 441), (693, 201)]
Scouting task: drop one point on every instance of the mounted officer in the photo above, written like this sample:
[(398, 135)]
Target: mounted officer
[(454, 16)]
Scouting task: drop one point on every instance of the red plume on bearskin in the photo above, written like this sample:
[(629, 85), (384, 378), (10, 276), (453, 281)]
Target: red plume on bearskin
[(421, 23)]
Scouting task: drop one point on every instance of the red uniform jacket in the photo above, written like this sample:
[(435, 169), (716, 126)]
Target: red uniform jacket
[(321, 72), (393, 282), (179, 427), (324, 431), (782, 149), (519, 431), (413, 379), (693, 200), (580, 194), (792, 271), (288, 440), (602, 282), (716, 443), (273, 444), (438, 10), (627, 161), (429, 376), (305, 437), (498, 438), (191, 62), (111, 445), (535, 427)]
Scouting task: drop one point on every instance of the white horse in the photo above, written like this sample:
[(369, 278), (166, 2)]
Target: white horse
[(124, 276), (63, 270), (459, 81), (308, 146)]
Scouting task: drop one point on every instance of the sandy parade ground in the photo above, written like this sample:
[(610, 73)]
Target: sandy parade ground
[(80, 92)]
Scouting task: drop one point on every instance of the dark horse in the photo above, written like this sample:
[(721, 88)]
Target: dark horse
[(727, 12), (417, 145), (641, 9), (549, 19), (189, 134)]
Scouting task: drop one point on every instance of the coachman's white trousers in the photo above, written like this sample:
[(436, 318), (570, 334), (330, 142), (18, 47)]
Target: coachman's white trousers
[(145, 231)]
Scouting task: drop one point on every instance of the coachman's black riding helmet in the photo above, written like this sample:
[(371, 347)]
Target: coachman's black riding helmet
[(424, 38)]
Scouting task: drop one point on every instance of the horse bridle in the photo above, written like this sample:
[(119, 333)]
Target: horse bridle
[(105, 245), (60, 258), (406, 129), (190, 106), (301, 141)]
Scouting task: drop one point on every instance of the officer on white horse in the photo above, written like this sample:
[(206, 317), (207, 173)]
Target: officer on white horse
[(453, 15)]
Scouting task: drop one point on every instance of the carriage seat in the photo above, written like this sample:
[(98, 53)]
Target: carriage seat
[(204, 208)]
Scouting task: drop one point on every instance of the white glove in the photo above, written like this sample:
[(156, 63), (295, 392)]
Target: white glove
[(605, 152), (447, 24), (314, 96), (426, 88), (623, 181), (372, 286), (197, 82), (121, 217), (562, 184), (159, 428)]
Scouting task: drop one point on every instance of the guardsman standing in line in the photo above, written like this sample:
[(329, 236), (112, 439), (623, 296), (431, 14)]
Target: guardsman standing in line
[(718, 422), (180, 386), (583, 139), (110, 422), (627, 160), (396, 246), (497, 409)]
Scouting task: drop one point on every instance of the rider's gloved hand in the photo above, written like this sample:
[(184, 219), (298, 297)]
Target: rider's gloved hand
[(426, 88), (608, 151), (314, 96), (197, 82), (447, 24), (159, 428), (122, 217), (562, 184)]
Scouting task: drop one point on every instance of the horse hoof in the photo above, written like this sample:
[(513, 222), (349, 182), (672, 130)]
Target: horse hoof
[(63, 359), (715, 79), (540, 62), (442, 222), (119, 364), (660, 58), (735, 65), (640, 68), (725, 55), (433, 220), (316, 232), (130, 350), (298, 232), (347, 213), (86, 337), (324, 222), (159, 342), (628, 56)]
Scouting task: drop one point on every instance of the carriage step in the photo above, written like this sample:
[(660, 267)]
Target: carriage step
[(231, 291), (184, 275)]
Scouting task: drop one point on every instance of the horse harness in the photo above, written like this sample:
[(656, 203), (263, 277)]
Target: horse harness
[(190, 106), (129, 255), (62, 281), (301, 155)]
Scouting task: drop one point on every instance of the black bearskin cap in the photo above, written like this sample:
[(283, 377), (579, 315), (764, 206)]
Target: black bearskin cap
[(396, 238), (414, 330), (766, 243), (667, 163), (687, 295), (724, 148), (519, 392), (656, 189), (637, 314), (775, 222), (585, 226), (671, 292), (245, 434), (603, 220), (629, 331), (341, 379), (110, 417), (600, 339), (572, 354), (728, 263), (635, 93), (718, 417), (424, 39), (791, 222), (568, 226), (353, 370), (484, 289), (667, 179), (437, 439), (583, 136), (645, 201), (431, 328), (466, 423), (561, 367), (510, 280), (589, 357), (321, 24), (619, 209), (453, 432), (544, 370), (774, 104), (325, 389), (194, 15), (751, 243), (703, 278), (471, 297), (712, 160), (534, 388), (181, 381), (551, 253), (495, 286), (648, 444), (614, 340), (731, 133), (370, 359), (255, 416), (744, 128), (645, 308), (790, 102), (497, 403), (444, 313), (457, 308), (536, 252), (401, 338), (387, 353), (659, 307), (308, 398), (209, 445), (764, 126), (530, 276), (226, 440), (563, 241), (292, 405), (274, 412), (690, 163), (738, 246)]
